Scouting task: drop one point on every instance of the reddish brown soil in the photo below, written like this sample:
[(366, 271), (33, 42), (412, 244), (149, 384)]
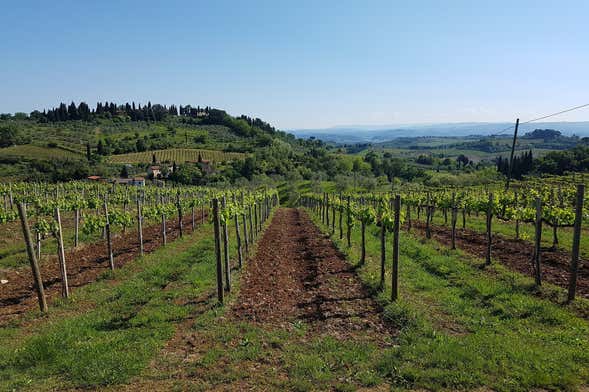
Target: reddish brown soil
[(298, 273), (84, 265), (516, 255)]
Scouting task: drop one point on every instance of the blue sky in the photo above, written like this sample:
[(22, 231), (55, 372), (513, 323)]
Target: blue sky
[(303, 64)]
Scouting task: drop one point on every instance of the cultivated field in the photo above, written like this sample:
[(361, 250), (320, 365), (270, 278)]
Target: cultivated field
[(178, 155), (194, 288)]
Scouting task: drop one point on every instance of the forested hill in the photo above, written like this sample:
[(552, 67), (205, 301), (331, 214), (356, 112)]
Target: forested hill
[(76, 140)]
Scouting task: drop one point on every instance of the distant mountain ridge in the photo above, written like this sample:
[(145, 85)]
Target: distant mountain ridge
[(378, 134)]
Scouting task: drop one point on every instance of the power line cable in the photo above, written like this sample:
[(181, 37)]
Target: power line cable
[(542, 118)]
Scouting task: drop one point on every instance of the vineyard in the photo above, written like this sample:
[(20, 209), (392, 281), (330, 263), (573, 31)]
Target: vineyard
[(112, 212), (535, 204), (177, 155), (154, 288)]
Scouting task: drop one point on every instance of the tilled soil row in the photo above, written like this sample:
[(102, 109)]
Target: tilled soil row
[(515, 254), (298, 274), (84, 265)]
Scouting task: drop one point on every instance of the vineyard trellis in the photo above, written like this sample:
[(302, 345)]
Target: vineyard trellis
[(100, 208), (178, 155), (556, 204)]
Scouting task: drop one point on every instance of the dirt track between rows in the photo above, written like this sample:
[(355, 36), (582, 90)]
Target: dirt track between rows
[(298, 273), (84, 265), (295, 278), (515, 254)]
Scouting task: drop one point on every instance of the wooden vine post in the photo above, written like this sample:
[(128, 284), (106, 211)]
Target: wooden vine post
[(139, 225), (219, 263), (363, 250), (226, 247), (245, 234), (408, 217), (341, 218), (32, 258), (251, 224), (454, 218), (349, 223), (65, 291), (333, 214), (323, 208), (164, 234), (554, 223), (76, 227), (261, 218), (428, 214), (38, 238), (396, 231), (256, 219), (238, 237), (537, 242), (516, 219), (489, 236), (576, 242), (383, 256), (179, 207), (111, 259)]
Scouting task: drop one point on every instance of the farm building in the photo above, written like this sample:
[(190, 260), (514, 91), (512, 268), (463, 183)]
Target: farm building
[(154, 172)]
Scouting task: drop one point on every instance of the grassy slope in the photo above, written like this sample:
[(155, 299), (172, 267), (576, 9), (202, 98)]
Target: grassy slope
[(464, 327), (29, 151), (110, 330)]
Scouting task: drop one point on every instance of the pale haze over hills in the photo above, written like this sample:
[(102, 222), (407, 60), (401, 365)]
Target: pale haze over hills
[(380, 133)]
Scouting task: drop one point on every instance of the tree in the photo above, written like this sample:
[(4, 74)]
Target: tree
[(8, 136), (100, 148), (125, 172), (187, 174), (462, 159), (425, 159), (140, 145)]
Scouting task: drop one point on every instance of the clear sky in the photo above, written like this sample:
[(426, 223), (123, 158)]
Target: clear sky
[(302, 64)]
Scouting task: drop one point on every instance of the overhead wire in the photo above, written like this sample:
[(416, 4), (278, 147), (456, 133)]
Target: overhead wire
[(542, 118)]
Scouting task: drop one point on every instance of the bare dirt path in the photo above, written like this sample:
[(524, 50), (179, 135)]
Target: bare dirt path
[(515, 254), (299, 274), (295, 291), (84, 265)]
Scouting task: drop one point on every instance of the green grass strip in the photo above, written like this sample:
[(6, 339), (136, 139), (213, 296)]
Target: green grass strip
[(464, 327)]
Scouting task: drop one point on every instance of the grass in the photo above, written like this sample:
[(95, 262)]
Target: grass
[(464, 327), (178, 155), (29, 151), (110, 330)]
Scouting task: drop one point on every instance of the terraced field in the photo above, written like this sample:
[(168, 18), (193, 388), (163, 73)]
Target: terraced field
[(177, 155)]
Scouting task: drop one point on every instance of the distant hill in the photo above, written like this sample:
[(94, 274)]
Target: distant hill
[(378, 134)]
